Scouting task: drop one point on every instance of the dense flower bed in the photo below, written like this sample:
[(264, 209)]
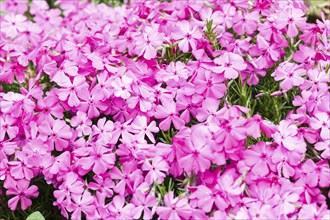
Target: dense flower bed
[(172, 110)]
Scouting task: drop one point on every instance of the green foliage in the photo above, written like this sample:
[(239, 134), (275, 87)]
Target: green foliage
[(172, 54), (35, 216), (112, 3), (211, 35)]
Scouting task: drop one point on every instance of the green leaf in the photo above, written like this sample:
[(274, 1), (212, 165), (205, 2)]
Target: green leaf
[(35, 216)]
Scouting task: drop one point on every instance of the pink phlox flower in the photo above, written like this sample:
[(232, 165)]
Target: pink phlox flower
[(325, 147), (122, 86), (140, 127), (228, 14), (99, 159), (13, 24), (15, 6), (321, 121), (8, 126), (82, 124), (175, 208), (210, 85), (247, 23), (197, 154), (20, 168), (142, 95), (148, 42), (60, 164), (313, 211), (174, 71), (167, 111), (208, 110), (70, 90), (157, 170), (101, 62), (287, 137), (125, 177), (103, 85), (145, 203), (207, 14), (49, 108), (291, 73), (49, 19), (56, 133), (23, 193), (231, 133), (92, 103), (187, 34), (103, 130), (119, 209), (134, 147), (286, 161), (258, 157), (229, 64), (10, 71), (103, 185), (121, 129), (16, 104), (291, 18), (72, 185), (82, 202), (316, 174), (207, 198)]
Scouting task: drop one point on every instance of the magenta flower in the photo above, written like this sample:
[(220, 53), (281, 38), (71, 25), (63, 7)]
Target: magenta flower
[(258, 157), (169, 115), (55, 134), (174, 71), (196, 156), (287, 137), (157, 169), (13, 24), (321, 121), (229, 64), (210, 84), (122, 87), (291, 18), (286, 161), (119, 210), (188, 35), (92, 104), (82, 124), (71, 89), (100, 159), (125, 177), (143, 202), (104, 130), (7, 127), (71, 185), (81, 203), (139, 126), (148, 43), (316, 174), (292, 75), (175, 208), (247, 24), (207, 198), (23, 193)]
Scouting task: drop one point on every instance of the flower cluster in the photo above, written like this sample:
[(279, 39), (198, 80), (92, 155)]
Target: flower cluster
[(125, 110)]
